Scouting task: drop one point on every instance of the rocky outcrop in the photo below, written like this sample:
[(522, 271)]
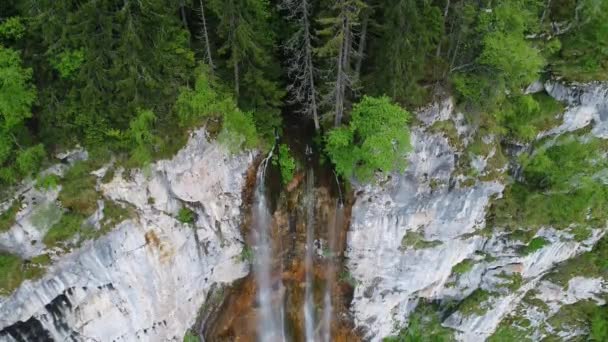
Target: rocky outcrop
[(411, 232), (149, 276)]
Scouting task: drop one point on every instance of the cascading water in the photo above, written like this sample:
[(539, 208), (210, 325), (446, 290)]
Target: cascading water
[(309, 317), (270, 319), (334, 224)]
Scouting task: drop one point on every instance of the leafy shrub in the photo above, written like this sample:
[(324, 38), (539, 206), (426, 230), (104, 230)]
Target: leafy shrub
[(561, 188), (67, 228), (8, 218), (286, 163), (78, 192), (185, 215), (10, 273), (535, 244), (424, 326), (47, 182), (474, 303), (375, 140), (67, 63), (191, 337), (463, 267)]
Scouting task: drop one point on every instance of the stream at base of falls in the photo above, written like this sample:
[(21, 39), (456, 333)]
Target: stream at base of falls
[(298, 289)]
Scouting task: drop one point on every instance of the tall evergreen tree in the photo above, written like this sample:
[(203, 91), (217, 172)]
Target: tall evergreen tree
[(110, 58), (410, 32), (300, 68), (244, 26), (339, 30)]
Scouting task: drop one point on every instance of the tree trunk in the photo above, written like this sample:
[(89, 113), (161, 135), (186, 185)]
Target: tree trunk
[(342, 67), (310, 67), (206, 37), (445, 18), (362, 42), (182, 9)]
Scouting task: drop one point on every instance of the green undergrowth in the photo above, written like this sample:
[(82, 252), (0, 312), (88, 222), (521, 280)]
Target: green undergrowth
[(584, 315), (424, 326), (14, 270), (191, 337), (590, 264), (72, 229), (286, 163), (562, 188), (535, 244), (186, 215), (463, 267), (512, 328), (416, 240), (525, 116), (8, 218), (512, 281), (475, 303), (78, 194)]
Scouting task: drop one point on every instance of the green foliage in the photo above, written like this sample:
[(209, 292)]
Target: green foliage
[(10, 273), (14, 270), (463, 267), (599, 325), (584, 52), (69, 227), (474, 303), (113, 214), (186, 215), (47, 182), (203, 101), (591, 264), (142, 136), (561, 187), (68, 63), (526, 116), (191, 337), (16, 98), (7, 218), (113, 58), (513, 281), (412, 29), (12, 29), (507, 331), (535, 244), (247, 41), (78, 193), (286, 163), (416, 240), (30, 159), (247, 255), (579, 315), (375, 140), (424, 326)]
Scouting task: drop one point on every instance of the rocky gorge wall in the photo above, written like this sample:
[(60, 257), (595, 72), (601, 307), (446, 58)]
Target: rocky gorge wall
[(422, 235), (148, 277)]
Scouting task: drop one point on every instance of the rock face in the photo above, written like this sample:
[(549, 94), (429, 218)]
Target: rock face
[(148, 277), (409, 233)]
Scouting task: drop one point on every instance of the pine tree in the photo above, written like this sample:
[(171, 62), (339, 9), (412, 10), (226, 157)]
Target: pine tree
[(339, 30), (249, 49), (300, 66)]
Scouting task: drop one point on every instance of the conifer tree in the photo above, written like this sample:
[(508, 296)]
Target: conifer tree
[(300, 66), (339, 31)]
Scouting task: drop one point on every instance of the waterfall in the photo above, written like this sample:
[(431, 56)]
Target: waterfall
[(334, 225), (270, 325), (309, 319)]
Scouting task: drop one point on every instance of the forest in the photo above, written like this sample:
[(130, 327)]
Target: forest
[(131, 78)]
